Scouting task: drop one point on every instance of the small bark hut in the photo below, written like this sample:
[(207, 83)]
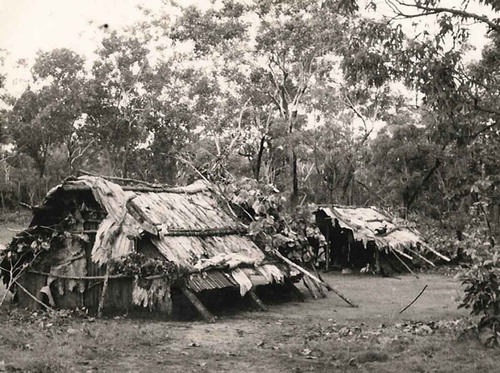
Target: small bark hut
[(95, 244), (361, 236)]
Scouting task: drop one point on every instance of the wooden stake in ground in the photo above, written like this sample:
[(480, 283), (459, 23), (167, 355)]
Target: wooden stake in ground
[(320, 289), (197, 304), (309, 284), (104, 291), (404, 264), (324, 283), (256, 300)]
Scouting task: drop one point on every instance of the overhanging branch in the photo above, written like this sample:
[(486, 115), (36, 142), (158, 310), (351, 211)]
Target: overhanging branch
[(436, 10)]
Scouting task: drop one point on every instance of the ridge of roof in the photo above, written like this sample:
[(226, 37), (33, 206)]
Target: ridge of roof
[(79, 184)]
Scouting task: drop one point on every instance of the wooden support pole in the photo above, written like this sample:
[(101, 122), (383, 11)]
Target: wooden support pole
[(310, 286), (327, 252), (403, 254), (103, 292), (257, 302), (404, 264), (324, 283), (436, 253), (33, 297), (321, 291), (421, 257), (207, 316)]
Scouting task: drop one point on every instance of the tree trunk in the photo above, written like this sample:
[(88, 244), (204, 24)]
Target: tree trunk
[(258, 161), (413, 196), (295, 179), (3, 201)]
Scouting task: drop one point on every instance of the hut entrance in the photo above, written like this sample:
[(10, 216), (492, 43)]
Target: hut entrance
[(343, 250), (367, 237)]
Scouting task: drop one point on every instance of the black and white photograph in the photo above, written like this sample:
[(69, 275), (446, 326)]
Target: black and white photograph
[(261, 186)]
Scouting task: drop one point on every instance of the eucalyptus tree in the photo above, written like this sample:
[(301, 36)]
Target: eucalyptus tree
[(44, 116), (273, 62)]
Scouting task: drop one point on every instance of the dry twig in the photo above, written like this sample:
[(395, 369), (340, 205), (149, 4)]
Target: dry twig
[(414, 300)]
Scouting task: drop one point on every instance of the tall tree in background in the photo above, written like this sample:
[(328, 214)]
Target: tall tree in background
[(286, 92), (45, 114), (278, 55), (117, 106)]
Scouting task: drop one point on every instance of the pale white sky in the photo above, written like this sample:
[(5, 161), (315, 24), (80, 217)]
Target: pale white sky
[(27, 26)]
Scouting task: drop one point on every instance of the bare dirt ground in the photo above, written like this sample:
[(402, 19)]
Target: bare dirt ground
[(324, 335)]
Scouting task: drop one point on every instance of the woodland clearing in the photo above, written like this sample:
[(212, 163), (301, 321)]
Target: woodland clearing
[(313, 336)]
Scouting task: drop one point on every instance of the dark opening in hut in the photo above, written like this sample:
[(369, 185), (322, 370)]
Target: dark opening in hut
[(366, 237)]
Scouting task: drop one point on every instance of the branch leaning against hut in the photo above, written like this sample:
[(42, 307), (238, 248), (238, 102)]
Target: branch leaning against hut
[(33, 297), (220, 191), (15, 271), (319, 281)]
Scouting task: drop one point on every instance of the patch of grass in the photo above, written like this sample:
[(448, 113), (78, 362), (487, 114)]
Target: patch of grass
[(43, 364), (13, 339), (11, 222), (21, 217), (371, 356), (319, 336)]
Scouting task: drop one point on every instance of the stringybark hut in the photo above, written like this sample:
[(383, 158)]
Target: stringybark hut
[(366, 237), (99, 245)]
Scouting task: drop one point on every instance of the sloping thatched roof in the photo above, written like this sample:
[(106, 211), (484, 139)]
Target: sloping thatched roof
[(186, 225), (371, 224)]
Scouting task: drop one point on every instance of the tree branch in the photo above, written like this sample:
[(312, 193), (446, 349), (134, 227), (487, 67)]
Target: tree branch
[(436, 10)]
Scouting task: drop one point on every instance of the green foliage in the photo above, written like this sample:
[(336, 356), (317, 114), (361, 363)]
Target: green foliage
[(25, 248), (137, 264), (211, 29), (482, 292), (272, 226), (44, 118), (482, 279)]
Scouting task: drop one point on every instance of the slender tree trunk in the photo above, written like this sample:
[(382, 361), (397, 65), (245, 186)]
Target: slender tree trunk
[(70, 157), (125, 164), (423, 183), (295, 179), (127, 151), (3, 201), (258, 161)]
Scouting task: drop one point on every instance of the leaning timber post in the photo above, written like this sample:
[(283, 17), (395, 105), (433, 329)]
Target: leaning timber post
[(324, 283), (103, 292), (258, 303), (318, 287), (310, 286), (207, 316)]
